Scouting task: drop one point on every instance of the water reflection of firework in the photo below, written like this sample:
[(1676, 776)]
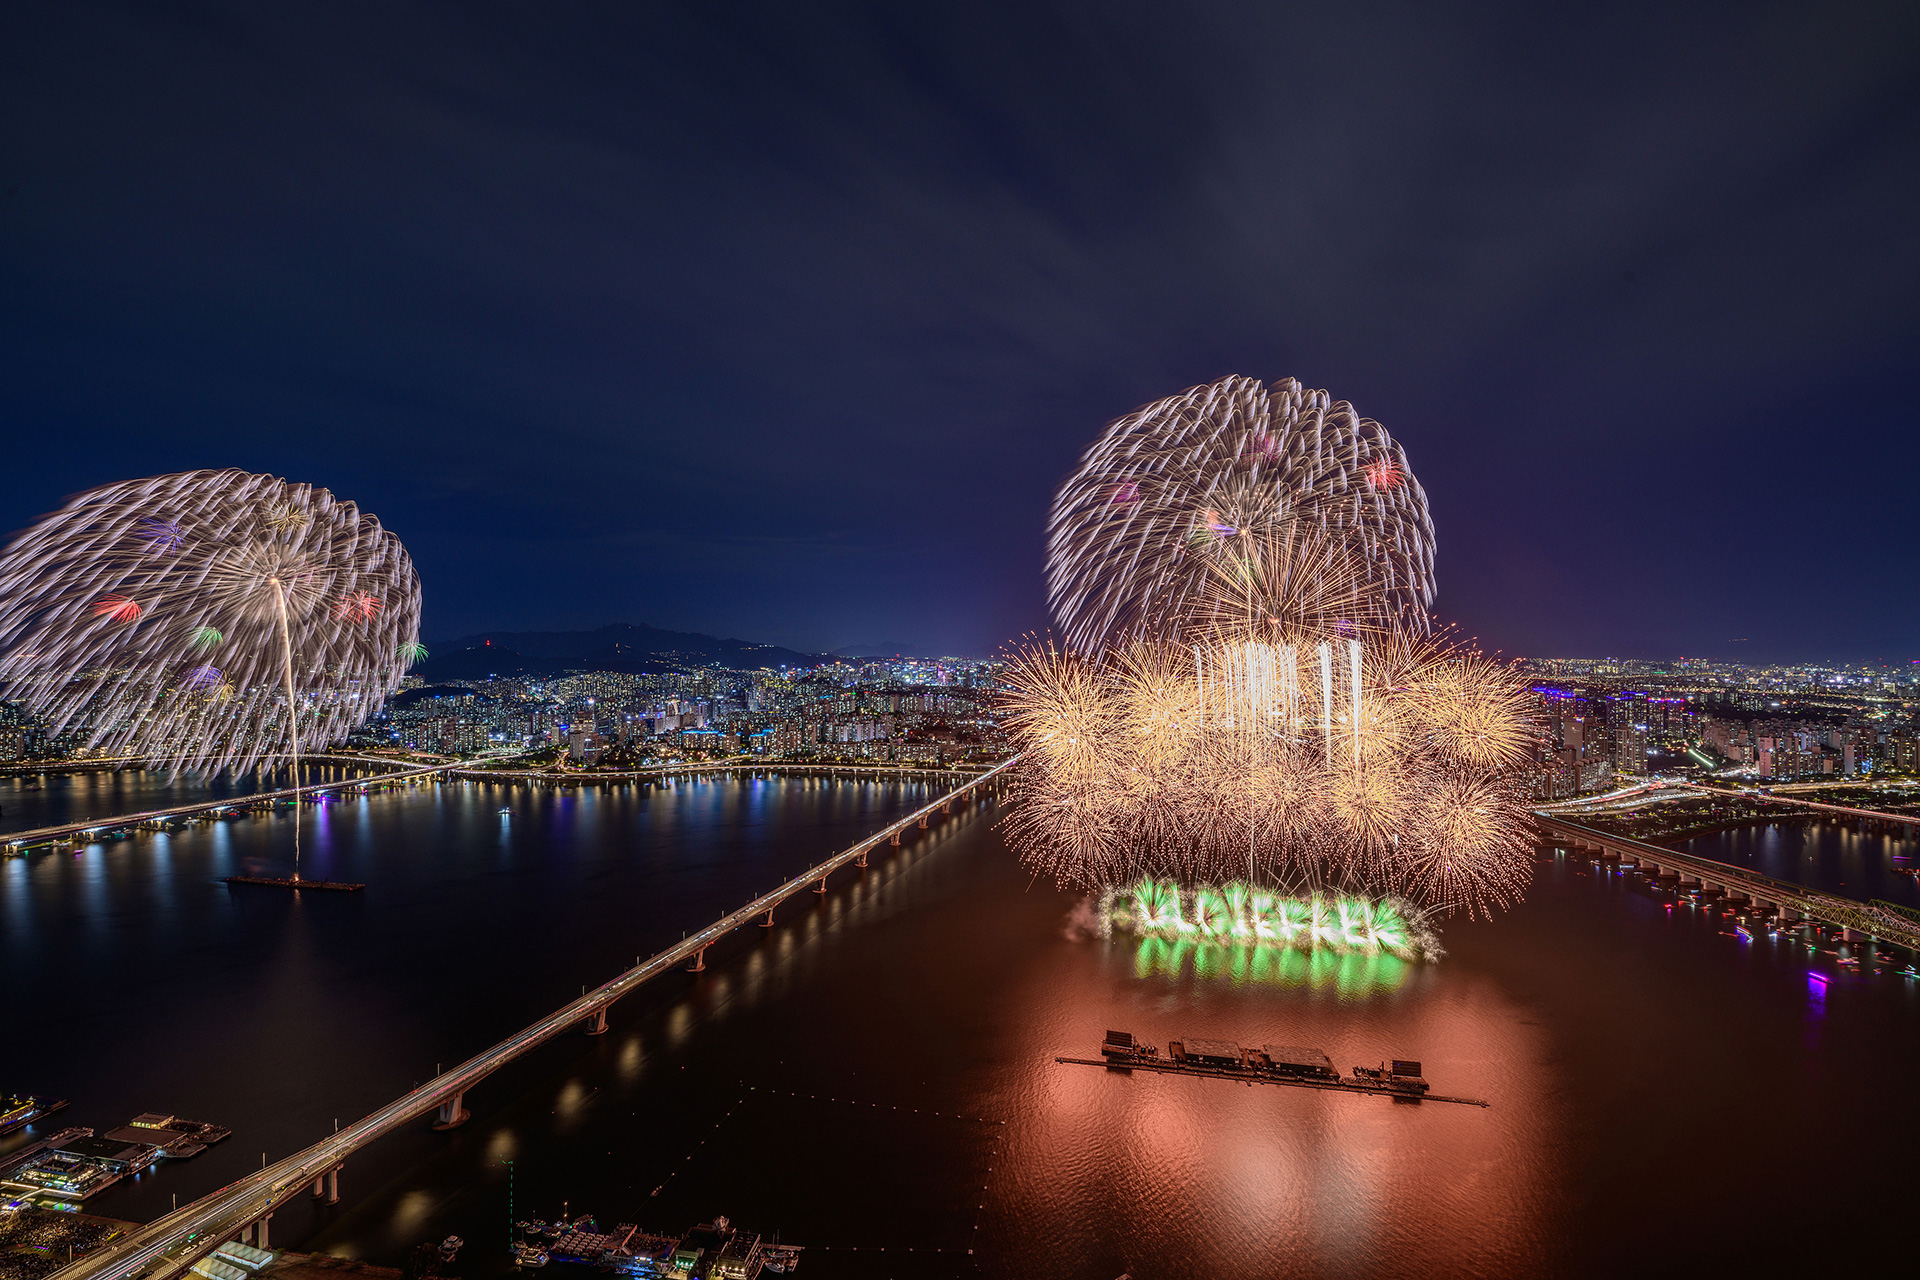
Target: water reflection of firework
[(206, 619), (1350, 974)]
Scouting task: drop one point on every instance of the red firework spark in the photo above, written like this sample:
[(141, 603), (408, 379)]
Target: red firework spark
[(119, 608), (1383, 473), (357, 606)]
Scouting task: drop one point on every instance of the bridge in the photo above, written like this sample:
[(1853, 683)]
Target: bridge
[(20, 840), (472, 769), (1877, 921), (1910, 820), (94, 764), (730, 765), (168, 1247)]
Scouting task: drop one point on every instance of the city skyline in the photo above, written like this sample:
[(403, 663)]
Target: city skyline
[(829, 305), (1040, 640)]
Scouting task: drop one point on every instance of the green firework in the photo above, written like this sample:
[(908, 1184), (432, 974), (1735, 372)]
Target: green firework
[(1242, 915)]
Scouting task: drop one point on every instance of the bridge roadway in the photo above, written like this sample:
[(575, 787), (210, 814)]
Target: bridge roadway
[(41, 835), (1882, 922), (167, 1248)]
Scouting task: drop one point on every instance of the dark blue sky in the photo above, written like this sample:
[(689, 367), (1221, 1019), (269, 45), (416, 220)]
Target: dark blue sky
[(783, 321)]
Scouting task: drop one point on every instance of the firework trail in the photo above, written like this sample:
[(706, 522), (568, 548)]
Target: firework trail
[(1174, 493), (206, 620), (1245, 759), (1251, 691), (1242, 914)]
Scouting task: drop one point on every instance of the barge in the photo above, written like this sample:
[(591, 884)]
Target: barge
[(295, 882), (1295, 1065)]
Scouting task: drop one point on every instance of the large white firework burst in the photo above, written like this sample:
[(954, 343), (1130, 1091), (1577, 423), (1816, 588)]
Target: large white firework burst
[(1175, 488), (1251, 687), (207, 619)]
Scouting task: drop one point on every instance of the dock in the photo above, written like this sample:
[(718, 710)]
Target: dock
[(295, 882)]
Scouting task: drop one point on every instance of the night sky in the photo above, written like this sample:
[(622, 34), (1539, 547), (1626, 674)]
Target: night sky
[(783, 321)]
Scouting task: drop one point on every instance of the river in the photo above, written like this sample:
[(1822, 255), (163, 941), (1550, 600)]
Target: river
[(877, 1072)]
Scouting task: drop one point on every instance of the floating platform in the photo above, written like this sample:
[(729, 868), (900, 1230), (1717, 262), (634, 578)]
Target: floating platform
[(294, 882), (1292, 1065)]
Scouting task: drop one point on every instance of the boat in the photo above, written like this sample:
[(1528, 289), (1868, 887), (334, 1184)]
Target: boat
[(781, 1259), (525, 1255), (506, 813)]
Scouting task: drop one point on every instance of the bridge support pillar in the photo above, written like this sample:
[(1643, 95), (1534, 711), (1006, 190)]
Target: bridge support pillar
[(452, 1113), (923, 822), (260, 1234), (947, 807), (896, 839), (597, 1023), (861, 860), (699, 964), (821, 888), (1851, 935), (768, 922), (326, 1187)]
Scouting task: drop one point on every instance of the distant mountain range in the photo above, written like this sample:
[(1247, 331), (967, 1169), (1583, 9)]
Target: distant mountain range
[(621, 646)]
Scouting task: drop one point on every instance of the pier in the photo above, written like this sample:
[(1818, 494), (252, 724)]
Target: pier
[(168, 1247)]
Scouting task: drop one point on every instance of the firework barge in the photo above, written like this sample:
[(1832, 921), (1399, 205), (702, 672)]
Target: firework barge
[(1293, 1065), (294, 882)]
